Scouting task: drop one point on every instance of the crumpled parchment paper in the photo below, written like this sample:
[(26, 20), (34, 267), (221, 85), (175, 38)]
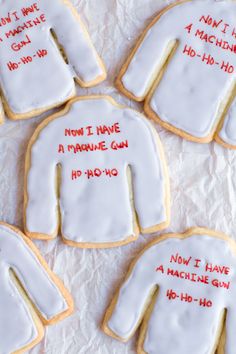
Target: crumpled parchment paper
[(203, 190)]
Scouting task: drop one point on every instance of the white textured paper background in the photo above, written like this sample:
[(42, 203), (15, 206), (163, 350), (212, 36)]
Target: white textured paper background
[(203, 190)]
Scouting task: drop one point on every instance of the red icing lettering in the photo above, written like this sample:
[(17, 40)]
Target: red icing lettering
[(111, 173), (197, 263), (16, 17), (8, 19), (189, 28), (89, 130), (74, 132), (227, 67), (12, 66), (218, 42), (234, 33), (189, 51), (186, 297), (41, 53), (18, 46), (201, 35), (220, 284), (103, 129), (205, 303), (76, 174), (24, 26), (97, 172), (160, 269), (30, 9), (11, 16), (204, 279), (26, 60), (101, 146), (180, 260), (217, 269), (61, 149), (171, 294), (224, 30), (208, 59), (208, 20), (118, 146)]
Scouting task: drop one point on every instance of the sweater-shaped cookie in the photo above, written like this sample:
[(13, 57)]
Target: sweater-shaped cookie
[(31, 295), (182, 291), (44, 49), (184, 68), (98, 169)]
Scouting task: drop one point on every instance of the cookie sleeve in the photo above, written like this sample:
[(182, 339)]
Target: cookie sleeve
[(44, 289), (42, 174), (230, 329), (150, 179), (129, 306), (227, 131), (74, 38), (141, 69)]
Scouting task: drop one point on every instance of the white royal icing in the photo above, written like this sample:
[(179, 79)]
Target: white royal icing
[(191, 91), (186, 315), (34, 75), (96, 209), (228, 131), (17, 328)]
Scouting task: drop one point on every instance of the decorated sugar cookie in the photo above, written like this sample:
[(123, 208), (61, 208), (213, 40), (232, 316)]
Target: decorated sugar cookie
[(182, 291), (184, 68), (96, 170), (44, 49), (31, 295)]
